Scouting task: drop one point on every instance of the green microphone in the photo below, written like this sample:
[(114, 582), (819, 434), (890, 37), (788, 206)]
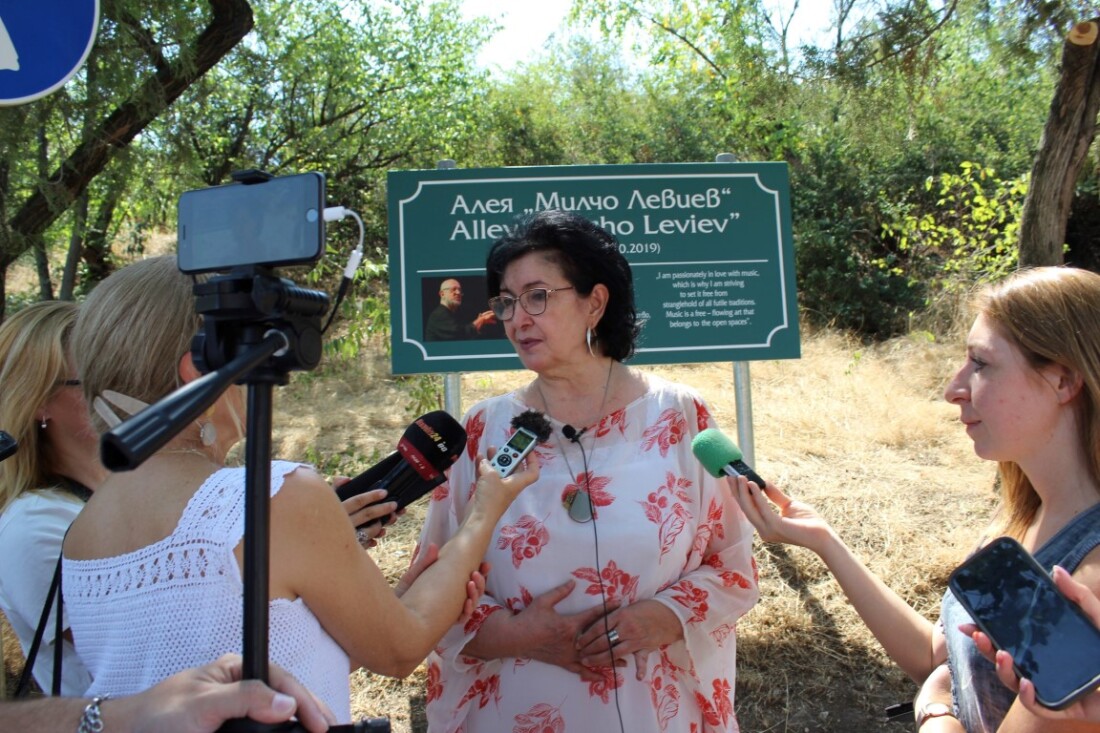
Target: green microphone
[(721, 457)]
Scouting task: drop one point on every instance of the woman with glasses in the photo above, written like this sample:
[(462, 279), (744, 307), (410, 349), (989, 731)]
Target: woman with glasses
[(45, 484), (619, 576)]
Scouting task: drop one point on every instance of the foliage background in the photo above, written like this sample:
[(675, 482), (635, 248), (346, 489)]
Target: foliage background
[(905, 92), (910, 136)]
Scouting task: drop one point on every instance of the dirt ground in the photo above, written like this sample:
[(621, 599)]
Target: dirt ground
[(861, 432)]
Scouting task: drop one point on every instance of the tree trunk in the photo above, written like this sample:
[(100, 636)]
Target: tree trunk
[(97, 248), (232, 19), (41, 261), (1063, 148), (76, 246)]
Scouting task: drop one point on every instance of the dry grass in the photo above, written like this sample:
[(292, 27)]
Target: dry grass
[(860, 432)]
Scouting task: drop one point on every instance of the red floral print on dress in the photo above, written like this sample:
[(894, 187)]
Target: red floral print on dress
[(615, 419), (435, 687), (729, 578), (666, 700), (719, 710), (595, 486), (526, 538), (702, 416), (475, 428), (692, 598), (663, 690), (616, 584), (723, 632), (483, 690), (477, 618), (669, 516), (602, 688), (515, 605), (711, 527), (667, 432), (542, 718)]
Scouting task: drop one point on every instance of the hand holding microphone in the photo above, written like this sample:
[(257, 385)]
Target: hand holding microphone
[(720, 456), (429, 446), (796, 522)]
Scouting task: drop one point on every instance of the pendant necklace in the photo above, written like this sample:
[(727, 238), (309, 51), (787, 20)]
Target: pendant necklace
[(579, 503)]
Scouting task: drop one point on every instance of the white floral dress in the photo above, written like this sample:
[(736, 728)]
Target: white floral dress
[(665, 530)]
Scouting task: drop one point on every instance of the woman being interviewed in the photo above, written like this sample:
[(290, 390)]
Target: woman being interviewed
[(618, 578), (152, 568), (45, 484)]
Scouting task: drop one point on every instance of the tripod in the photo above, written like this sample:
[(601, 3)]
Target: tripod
[(257, 328)]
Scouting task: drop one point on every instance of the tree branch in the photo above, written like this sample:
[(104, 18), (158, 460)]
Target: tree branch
[(231, 20)]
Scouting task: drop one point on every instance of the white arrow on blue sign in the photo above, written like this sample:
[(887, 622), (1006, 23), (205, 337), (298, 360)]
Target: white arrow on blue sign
[(42, 45)]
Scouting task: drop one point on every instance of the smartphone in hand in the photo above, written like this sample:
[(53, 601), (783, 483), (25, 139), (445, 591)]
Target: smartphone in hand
[(1014, 601)]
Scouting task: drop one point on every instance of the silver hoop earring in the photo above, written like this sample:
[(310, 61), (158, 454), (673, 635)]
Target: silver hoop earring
[(588, 341), (208, 433)]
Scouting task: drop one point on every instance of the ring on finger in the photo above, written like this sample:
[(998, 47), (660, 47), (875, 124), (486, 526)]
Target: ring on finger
[(613, 637)]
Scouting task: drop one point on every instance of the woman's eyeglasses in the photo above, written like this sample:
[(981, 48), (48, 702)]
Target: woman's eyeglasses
[(533, 301)]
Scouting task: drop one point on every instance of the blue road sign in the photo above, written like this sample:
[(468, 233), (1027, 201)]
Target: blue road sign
[(42, 44)]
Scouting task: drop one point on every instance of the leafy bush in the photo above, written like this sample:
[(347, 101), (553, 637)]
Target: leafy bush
[(967, 235)]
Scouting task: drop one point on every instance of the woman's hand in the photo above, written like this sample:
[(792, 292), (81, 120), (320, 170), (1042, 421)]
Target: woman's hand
[(492, 488), (475, 586), (366, 507), (637, 629), (202, 699), (540, 632), (796, 523)]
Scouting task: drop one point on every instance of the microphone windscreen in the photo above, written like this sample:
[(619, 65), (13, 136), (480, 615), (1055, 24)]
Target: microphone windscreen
[(714, 450), (432, 443), (537, 423)]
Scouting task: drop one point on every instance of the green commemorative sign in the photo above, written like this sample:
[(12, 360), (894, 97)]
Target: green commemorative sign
[(709, 245)]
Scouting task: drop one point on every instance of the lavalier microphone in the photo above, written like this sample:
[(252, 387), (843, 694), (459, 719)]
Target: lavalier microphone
[(572, 434)]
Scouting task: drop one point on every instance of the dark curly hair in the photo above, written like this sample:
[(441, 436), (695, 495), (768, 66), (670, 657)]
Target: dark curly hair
[(587, 255)]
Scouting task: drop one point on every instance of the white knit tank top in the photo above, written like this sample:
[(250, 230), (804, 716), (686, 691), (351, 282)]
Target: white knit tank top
[(143, 616)]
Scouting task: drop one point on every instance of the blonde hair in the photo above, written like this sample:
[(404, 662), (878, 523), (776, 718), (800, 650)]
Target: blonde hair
[(132, 331), (1052, 315), (33, 359)]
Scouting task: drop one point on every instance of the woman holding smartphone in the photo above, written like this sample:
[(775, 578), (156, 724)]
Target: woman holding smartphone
[(1029, 396)]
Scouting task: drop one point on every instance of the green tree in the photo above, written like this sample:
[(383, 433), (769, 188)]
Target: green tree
[(132, 68)]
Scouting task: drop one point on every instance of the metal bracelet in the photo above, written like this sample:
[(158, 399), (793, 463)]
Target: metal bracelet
[(92, 721)]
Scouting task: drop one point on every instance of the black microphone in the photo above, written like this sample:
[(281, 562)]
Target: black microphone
[(571, 433), (430, 445)]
